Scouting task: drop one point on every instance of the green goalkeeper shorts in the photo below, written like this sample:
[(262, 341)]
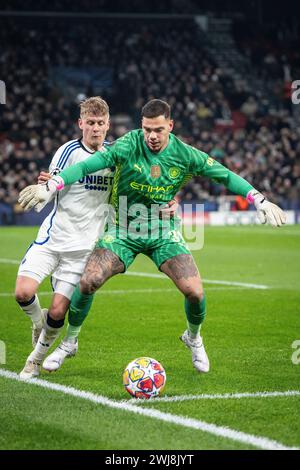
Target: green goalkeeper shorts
[(159, 250)]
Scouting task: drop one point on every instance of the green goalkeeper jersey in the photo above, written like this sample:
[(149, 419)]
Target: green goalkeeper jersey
[(148, 178)]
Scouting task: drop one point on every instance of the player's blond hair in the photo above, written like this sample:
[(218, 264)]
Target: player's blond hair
[(94, 106)]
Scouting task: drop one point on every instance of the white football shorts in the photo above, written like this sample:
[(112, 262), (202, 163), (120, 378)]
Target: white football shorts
[(65, 268)]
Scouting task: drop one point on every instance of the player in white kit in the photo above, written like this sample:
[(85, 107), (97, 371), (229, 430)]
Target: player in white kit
[(66, 238)]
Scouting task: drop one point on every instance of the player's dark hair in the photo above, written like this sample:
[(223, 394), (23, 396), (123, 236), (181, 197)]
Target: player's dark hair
[(155, 108)]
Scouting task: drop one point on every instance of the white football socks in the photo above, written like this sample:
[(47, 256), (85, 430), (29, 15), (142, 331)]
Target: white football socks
[(33, 310), (45, 341)]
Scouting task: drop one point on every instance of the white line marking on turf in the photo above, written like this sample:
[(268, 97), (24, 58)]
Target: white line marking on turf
[(131, 291), (209, 281), (9, 261), (237, 284), (110, 292), (220, 431), (224, 396), (163, 276)]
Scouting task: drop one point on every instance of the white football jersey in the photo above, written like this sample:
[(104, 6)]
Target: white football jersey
[(79, 214)]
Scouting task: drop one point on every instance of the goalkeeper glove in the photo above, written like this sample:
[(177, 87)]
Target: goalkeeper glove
[(38, 195), (267, 212)]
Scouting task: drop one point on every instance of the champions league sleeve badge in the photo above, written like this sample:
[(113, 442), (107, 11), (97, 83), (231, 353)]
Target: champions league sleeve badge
[(155, 171)]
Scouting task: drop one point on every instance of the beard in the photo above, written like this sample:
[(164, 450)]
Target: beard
[(155, 148)]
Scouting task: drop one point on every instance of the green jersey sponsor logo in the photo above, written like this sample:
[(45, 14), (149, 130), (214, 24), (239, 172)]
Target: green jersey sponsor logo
[(149, 188)]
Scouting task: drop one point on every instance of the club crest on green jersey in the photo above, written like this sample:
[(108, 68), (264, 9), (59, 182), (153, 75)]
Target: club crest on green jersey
[(155, 171), (108, 238), (174, 172)]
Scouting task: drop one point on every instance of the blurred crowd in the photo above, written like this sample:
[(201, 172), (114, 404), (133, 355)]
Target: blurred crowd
[(158, 6), (151, 59)]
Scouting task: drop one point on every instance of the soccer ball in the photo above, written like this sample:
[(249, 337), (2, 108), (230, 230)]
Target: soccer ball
[(144, 378)]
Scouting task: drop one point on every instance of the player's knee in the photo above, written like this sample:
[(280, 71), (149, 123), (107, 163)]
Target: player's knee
[(90, 285), (23, 295), (57, 312), (85, 286), (194, 294)]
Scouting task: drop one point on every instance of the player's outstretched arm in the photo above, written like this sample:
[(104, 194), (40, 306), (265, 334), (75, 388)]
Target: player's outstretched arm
[(267, 211), (97, 161), (33, 195), (38, 195)]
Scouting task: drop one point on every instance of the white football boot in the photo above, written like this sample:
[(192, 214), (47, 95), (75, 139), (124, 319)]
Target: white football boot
[(199, 357), (31, 370), (55, 360), (37, 331)]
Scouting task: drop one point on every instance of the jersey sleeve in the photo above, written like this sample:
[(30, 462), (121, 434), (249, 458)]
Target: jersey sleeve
[(107, 158), (57, 160), (55, 167), (204, 165)]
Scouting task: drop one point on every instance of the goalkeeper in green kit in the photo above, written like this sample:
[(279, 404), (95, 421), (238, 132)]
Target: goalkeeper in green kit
[(152, 164)]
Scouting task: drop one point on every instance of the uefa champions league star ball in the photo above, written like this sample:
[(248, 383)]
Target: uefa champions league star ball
[(144, 378)]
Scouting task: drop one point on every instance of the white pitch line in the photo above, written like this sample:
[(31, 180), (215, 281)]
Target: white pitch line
[(224, 396), (237, 284), (9, 261), (103, 292), (208, 281), (163, 276), (220, 431), (132, 291)]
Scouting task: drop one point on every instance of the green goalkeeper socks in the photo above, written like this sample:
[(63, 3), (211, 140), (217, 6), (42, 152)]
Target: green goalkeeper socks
[(195, 314), (79, 308), (72, 333)]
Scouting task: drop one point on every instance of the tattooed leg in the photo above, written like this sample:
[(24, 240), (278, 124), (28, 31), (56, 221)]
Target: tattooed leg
[(101, 265), (184, 273)]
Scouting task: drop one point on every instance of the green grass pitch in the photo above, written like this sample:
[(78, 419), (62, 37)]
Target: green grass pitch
[(248, 335)]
